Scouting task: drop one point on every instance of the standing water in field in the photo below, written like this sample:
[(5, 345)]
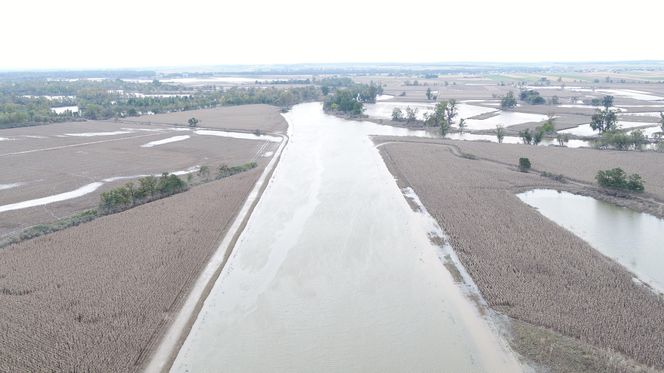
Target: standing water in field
[(335, 272), (633, 239)]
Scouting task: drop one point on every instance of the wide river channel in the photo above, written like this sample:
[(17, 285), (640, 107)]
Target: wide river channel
[(335, 272)]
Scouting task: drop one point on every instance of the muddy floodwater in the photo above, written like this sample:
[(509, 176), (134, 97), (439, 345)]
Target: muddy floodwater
[(633, 239), (335, 272)]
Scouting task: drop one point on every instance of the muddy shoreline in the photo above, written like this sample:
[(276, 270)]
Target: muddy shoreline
[(163, 357)]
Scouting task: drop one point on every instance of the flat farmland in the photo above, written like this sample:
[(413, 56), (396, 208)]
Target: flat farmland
[(550, 281), (638, 101), (245, 117), (578, 164), (99, 296), (45, 161)]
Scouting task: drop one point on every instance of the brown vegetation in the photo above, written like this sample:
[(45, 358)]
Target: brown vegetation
[(54, 163), (244, 117), (526, 266), (577, 164), (96, 297)]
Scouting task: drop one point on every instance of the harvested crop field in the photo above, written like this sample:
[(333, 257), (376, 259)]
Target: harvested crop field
[(97, 297), (44, 161), (578, 164), (244, 117), (529, 268)]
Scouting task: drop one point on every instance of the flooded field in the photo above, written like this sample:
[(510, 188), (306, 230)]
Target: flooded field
[(466, 136), (65, 166), (631, 238), (64, 109), (383, 110), (587, 131), (336, 272)]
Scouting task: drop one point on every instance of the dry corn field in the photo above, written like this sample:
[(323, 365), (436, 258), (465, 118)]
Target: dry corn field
[(98, 296), (41, 161), (526, 266), (242, 117), (578, 164)]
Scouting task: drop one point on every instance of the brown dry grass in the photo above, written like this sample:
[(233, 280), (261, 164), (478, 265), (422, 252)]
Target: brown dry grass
[(97, 297), (525, 265)]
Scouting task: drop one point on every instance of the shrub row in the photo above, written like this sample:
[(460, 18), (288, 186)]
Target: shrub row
[(147, 189)]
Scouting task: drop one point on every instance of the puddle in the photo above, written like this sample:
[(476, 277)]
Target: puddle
[(63, 109), (165, 141), (238, 135), (95, 134)]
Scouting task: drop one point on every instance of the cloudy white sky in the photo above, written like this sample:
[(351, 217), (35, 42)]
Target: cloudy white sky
[(72, 34)]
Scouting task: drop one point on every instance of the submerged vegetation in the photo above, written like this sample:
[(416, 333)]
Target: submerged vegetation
[(605, 120), (532, 97), (619, 140), (508, 102), (351, 100)]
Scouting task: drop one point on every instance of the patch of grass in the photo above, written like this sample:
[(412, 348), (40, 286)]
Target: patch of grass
[(552, 176), (43, 229)]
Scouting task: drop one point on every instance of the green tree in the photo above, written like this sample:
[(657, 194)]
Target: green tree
[(532, 97), (508, 102), (500, 133), (604, 120), (451, 112), (397, 114), (615, 139), (345, 101), (526, 136), (538, 136), (411, 114), (616, 178), (325, 89), (524, 164), (638, 139), (462, 125), (193, 122), (441, 112), (170, 184), (562, 138), (607, 102), (428, 93), (147, 186), (204, 172), (549, 126)]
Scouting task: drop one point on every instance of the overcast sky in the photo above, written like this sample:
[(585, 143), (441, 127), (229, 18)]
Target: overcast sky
[(71, 34)]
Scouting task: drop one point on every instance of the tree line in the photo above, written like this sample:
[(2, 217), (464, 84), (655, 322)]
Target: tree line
[(31, 102), (351, 100)]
